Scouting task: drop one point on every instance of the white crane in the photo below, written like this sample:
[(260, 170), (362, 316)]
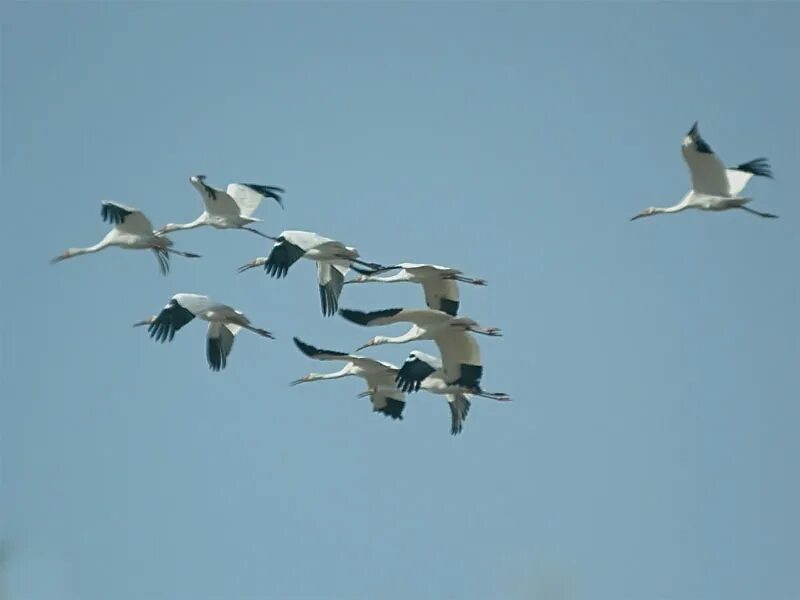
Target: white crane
[(422, 371), (382, 378), (131, 231), (228, 209), (333, 259), (714, 187), (224, 322), (460, 352), (438, 283), (379, 375)]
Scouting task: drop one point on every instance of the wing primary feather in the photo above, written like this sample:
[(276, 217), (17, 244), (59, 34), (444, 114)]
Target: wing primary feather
[(758, 166), (365, 318), (313, 352), (113, 213)]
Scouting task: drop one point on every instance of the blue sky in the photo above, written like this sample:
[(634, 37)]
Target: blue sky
[(650, 450)]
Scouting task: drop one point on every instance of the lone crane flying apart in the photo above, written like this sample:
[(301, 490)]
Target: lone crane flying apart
[(714, 187), (132, 231), (460, 352), (228, 209), (333, 259), (224, 323), (438, 283)]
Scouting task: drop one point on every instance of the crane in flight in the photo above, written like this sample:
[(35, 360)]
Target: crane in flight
[(453, 335), (438, 283), (333, 259), (224, 322), (131, 231), (231, 208), (382, 377), (714, 187)]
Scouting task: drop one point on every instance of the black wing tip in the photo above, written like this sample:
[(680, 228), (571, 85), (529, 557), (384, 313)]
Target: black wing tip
[(360, 317), (111, 213), (216, 357), (354, 316), (306, 349), (449, 306), (759, 167), (700, 143), (470, 376), (410, 376), (393, 409), (329, 301), (313, 351)]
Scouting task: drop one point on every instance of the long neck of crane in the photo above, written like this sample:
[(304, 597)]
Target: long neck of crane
[(337, 375), (682, 205), (199, 221), (412, 334), (397, 277), (104, 243)]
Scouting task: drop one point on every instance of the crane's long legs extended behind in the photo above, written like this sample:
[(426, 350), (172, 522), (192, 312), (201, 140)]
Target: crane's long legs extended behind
[(760, 214), (256, 231)]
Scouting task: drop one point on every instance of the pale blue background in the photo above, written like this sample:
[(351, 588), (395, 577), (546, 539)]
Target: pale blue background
[(651, 448)]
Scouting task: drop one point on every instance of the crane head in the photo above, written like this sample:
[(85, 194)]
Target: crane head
[(645, 213)]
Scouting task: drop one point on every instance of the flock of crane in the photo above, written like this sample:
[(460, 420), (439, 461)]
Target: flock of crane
[(457, 373)]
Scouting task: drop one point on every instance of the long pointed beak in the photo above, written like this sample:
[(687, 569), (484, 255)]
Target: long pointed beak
[(147, 321), (367, 345), (298, 381), (639, 216)]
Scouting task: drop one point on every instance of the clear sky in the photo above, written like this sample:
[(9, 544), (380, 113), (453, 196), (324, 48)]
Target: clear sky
[(651, 448)]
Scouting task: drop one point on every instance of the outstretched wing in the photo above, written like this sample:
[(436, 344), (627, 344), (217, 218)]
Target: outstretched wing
[(126, 219), (219, 344), (330, 278), (390, 403), (283, 255), (441, 294), (414, 371), (739, 176), (459, 408), (706, 169), (364, 362), (171, 318), (461, 357), (370, 319), (249, 195), (217, 202), (163, 259)]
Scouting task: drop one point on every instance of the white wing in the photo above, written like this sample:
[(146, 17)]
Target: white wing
[(737, 180), (441, 294), (706, 169), (330, 277), (126, 219), (219, 344), (461, 356), (370, 365), (739, 176), (459, 408), (195, 303), (245, 198), (304, 239), (217, 202), (388, 401), (420, 317)]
